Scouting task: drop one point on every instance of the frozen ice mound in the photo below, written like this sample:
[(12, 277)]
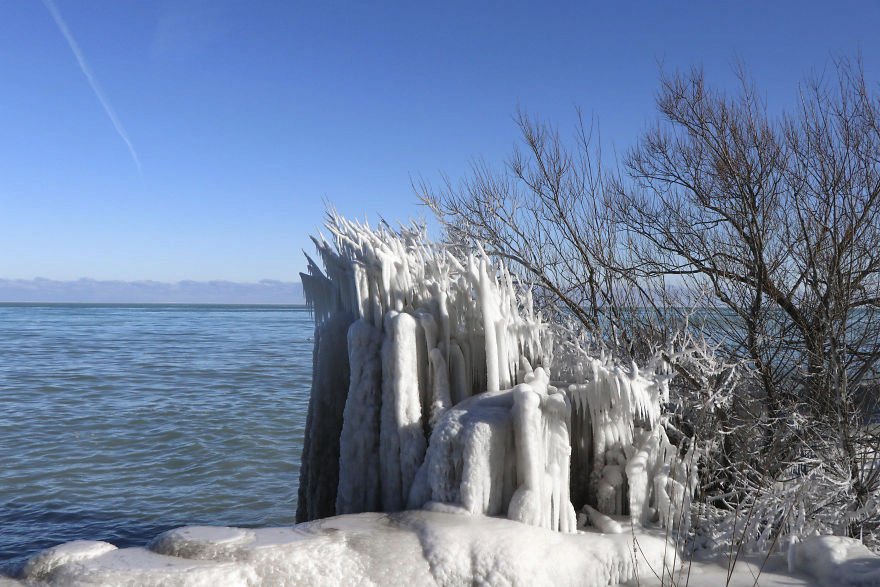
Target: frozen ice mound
[(406, 548)]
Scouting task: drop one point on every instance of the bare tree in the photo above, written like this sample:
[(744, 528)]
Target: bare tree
[(781, 218), (770, 224), (548, 215)]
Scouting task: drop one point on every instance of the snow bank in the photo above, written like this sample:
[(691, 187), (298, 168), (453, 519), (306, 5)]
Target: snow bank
[(747, 572), (406, 548), (835, 560)]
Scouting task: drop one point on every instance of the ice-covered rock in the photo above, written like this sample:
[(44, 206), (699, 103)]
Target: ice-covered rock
[(139, 567), (603, 523), (202, 542), (43, 565)]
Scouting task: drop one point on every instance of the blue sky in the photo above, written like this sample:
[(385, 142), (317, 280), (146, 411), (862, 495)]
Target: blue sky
[(245, 116)]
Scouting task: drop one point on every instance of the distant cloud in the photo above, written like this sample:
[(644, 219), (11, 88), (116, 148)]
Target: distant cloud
[(93, 82), (182, 292)]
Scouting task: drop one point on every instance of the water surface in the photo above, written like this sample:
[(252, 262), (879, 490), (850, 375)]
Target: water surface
[(118, 422)]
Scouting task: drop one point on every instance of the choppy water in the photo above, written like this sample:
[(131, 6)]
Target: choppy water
[(118, 422)]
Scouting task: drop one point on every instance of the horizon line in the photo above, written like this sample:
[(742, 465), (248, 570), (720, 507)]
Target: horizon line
[(150, 280)]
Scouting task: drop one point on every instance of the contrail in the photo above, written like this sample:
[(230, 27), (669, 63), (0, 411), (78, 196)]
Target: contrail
[(120, 130)]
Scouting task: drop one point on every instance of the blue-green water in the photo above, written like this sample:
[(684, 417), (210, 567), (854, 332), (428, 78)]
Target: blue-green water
[(118, 422)]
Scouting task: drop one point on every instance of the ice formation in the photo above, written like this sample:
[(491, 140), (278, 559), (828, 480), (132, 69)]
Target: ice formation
[(432, 383), (622, 460), (405, 331)]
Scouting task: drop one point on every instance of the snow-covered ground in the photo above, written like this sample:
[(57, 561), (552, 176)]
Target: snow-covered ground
[(745, 573), (437, 547)]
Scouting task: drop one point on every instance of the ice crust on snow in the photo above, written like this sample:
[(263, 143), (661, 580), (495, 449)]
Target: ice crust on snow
[(407, 548), (139, 567), (441, 545)]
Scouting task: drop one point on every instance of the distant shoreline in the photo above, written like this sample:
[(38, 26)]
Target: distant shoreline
[(92, 291), (140, 304)]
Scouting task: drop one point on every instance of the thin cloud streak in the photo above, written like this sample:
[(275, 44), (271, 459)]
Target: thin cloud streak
[(87, 72)]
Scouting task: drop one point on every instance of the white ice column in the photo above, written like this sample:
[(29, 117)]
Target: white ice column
[(402, 439), (489, 306), (359, 488), (319, 475), (540, 424)]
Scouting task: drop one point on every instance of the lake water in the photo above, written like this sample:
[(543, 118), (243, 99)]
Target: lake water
[(118, 422)]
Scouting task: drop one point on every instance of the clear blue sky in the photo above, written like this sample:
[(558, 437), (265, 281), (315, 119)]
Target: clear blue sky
[(245, 115)]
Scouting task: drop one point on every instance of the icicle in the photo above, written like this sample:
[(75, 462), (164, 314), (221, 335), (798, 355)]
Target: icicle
[(441, 400)]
